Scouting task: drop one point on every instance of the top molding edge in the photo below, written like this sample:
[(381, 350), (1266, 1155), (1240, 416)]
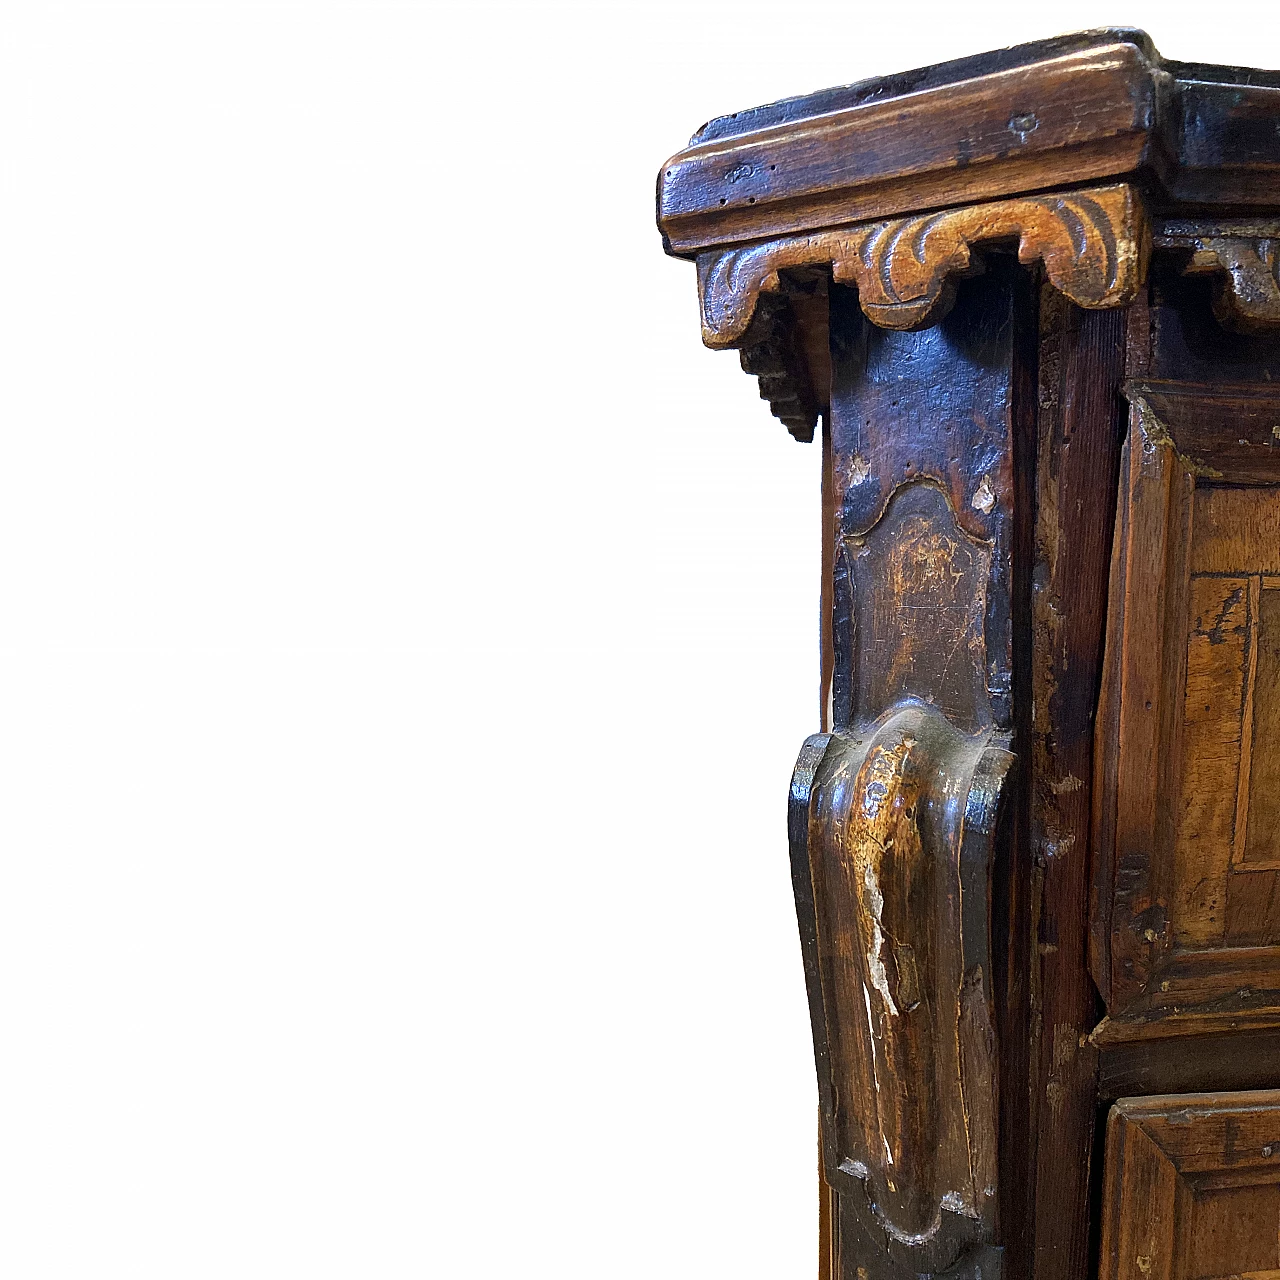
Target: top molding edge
[(1097, 105)]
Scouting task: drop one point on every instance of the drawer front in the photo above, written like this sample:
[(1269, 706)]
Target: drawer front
[(1192, 1188)]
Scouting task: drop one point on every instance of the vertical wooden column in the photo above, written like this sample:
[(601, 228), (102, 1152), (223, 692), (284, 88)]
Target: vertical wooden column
[(928, 430)]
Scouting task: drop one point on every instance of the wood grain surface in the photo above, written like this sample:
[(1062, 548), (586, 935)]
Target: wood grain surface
[(1033, 298), (1192, 1188), (1093, 243)]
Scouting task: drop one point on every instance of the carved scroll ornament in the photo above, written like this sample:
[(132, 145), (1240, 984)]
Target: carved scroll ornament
[(1246, 295), (1094, 245)]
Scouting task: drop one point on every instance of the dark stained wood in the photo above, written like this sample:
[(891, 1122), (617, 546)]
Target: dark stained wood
[(1034, 300), (1081, 425), (941, 75), (1242, 257), (770, 299), (893, 880), (1189, 344), (937, 406), (902, 963), (828, 1225), (776, 353), (1187, 907), (1222, 432), (1088, 112), (1223, 120), (1186, 1064)]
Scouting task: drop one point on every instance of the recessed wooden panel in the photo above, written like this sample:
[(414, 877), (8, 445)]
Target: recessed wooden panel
[(1192, 1188), (1187, 917), (1253, 909), (1262, 816), (1236, 530), (1217, 673)]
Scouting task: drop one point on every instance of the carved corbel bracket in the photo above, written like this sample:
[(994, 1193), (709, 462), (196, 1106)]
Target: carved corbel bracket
[(1094, 245), (1244, 259), (777, 357), (892, 843)]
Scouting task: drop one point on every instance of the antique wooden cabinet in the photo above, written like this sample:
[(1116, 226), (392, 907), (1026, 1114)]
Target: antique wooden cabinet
[(1032, 300)]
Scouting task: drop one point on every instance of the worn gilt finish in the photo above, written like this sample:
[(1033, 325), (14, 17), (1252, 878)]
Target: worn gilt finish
[(1033, 299), (904, 814), (1243, 260), (1093, 244)]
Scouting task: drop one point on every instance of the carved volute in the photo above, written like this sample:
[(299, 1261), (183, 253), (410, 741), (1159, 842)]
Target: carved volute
[(961, 274)]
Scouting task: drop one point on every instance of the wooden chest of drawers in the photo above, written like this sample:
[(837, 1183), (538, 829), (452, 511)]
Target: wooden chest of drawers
[(1032, 301)]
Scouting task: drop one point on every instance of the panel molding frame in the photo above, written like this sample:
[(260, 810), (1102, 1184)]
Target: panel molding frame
[(1164, 1154), (1182, 437)]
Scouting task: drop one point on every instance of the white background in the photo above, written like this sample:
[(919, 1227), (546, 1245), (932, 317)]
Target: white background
[(407, 632)]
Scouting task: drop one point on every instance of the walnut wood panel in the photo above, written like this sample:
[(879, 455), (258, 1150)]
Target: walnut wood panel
[(1187, 918), (1183, 1064), (1193, 1188), (1258, 812)]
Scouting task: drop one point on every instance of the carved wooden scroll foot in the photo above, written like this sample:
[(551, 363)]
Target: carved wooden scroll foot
[(892, 837)]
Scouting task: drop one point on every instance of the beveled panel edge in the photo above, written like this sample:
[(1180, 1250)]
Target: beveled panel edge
[(1229, 1058), (1222, 432)]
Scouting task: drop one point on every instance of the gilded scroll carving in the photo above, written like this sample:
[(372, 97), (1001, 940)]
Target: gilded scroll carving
[(1246, 296), (1094, 245)]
